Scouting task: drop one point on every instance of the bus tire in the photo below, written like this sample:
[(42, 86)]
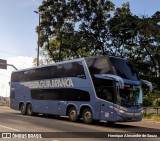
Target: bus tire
[(87, 116), (29, 110), (73, 114), (23, 109)]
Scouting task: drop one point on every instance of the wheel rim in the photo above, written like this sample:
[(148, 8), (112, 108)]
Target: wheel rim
[(88, 115), (22, 108), (29, 109), (73, 114)]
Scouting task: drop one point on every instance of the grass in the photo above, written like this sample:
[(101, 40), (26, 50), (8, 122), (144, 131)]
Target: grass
[(152, 117)]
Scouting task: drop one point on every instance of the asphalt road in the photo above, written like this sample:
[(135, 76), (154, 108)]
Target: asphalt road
[(12, 121)]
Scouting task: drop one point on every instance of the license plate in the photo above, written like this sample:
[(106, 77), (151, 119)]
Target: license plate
[(133, 119)]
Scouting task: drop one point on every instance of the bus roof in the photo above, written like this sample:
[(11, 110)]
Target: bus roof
[(67, 61), (53, 64)]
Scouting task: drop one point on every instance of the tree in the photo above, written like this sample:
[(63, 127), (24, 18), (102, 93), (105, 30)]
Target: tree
[(80, 27), (123, 32), (156, 102), (44, 59)]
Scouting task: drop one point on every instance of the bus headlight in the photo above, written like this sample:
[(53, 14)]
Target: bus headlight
[(121, 111)]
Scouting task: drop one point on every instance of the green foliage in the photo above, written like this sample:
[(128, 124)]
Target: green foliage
[(137, 39), (148, 116), (156, 102), (80, 27), (152, 116), (147, 101)]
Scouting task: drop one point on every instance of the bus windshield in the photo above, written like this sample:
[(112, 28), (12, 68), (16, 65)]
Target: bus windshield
[(124, 69)]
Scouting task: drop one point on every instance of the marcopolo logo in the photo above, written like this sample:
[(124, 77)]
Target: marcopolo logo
[(55, 83)]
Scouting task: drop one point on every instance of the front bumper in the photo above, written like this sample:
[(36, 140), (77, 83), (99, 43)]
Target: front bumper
[(129, 117)]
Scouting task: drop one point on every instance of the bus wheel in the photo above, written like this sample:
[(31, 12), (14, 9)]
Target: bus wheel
[(73, 114), (29, 110), (87, 116), (23, 109)]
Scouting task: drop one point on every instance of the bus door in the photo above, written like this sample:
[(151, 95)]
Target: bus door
[(61, 108), (107, 96)]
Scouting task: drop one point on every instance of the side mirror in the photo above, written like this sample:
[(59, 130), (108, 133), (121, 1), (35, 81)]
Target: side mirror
[(147, 83)]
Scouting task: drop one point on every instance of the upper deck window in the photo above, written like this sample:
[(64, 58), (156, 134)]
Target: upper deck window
[(124, 69), (70, 69), (99, 65)]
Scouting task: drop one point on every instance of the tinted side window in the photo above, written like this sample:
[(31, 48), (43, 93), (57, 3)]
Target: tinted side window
[(99, 65), (124, 68), (60, 94), (104, 89), (73, 69), (17, 76), (32, 74), (105, 93), (37, 74)]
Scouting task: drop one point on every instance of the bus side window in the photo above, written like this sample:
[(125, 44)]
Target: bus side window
[(68, 72), (109, 93), (73, 69), (78, 70), (59, 71), (54, 71), (105, 93)]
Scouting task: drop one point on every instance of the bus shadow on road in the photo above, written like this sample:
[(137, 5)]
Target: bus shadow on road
[(118, 127), (121, 126)]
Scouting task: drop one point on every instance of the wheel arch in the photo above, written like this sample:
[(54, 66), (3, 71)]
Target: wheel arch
[(29, 102), (84, 107), (69, 106), (20, 104)]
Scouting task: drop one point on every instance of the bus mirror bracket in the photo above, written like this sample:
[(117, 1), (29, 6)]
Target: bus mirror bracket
[(147, 83), (112, 77)]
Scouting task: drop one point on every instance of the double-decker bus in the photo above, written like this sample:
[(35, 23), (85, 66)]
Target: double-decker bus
[(92, 88)]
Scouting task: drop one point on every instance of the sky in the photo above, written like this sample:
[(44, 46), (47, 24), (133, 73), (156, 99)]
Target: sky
[(18, 39)]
